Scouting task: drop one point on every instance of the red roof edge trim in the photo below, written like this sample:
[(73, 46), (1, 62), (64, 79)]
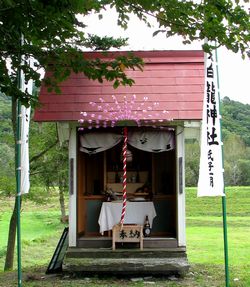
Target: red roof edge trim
[(157, 56)]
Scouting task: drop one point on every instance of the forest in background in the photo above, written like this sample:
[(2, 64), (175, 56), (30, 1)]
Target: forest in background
[(46, 154)]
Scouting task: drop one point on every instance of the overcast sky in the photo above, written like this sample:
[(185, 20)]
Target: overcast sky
[(234, 72)]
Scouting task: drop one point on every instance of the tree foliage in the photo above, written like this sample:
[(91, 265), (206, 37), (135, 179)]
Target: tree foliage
[(244, 166), (192, 152), (225, 22), (53, 35), (236, 135), (234, 150), (236, 119), (7, 149)]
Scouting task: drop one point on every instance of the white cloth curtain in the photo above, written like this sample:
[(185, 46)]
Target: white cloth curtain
[(92, 143), (151, 141)]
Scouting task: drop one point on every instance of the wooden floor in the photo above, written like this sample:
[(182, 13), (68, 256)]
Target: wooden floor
[(127, 259)]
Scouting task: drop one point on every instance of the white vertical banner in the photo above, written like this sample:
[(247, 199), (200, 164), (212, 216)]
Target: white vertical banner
[(211, 179), (25, 121), (25, 169)]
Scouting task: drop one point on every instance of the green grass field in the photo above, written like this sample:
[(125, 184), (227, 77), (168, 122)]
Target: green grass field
[(41, 229), (205, 233)]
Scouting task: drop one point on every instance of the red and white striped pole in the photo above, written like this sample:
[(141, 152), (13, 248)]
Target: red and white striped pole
[(124, 182)]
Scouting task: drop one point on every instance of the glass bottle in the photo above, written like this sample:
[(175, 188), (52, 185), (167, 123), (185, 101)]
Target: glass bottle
[(146, 227)]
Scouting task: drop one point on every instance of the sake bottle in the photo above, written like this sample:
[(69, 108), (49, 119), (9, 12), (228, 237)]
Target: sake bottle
[(146, 227)]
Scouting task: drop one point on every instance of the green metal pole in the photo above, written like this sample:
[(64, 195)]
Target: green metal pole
[(18, 176), (225, 240), (224, 209), (18, 188)]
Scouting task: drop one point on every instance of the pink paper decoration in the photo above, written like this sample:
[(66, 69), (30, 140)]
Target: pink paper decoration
[(115, 112)]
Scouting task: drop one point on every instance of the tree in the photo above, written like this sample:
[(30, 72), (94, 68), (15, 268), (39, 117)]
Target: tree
[(192, 158), (50, 167), (244, 165), (236, 119), (234, 149), (55, 173), (7, 174), (54, 36), (49, 31)]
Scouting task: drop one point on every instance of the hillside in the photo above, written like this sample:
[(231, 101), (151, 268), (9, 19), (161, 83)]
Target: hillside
[(236, 119)]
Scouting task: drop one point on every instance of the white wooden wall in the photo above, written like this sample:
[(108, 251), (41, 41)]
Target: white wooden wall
[(72, 183), (181, 218)]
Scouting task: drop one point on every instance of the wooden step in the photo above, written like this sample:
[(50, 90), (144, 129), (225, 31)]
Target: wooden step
[(106, 242), (160, 242), (74, 252)]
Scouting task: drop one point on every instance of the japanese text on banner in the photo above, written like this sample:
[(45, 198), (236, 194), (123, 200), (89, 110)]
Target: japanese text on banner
[(211, 182)]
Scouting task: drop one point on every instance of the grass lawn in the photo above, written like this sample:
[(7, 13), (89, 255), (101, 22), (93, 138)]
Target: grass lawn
[(41, 229), (205, 234)]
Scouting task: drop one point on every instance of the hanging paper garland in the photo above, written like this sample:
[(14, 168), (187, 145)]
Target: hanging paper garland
[(110, 114)]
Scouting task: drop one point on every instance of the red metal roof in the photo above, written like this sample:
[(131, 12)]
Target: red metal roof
[(174, 79)]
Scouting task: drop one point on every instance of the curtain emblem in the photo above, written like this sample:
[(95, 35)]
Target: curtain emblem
[(168, 146), (143, 140)]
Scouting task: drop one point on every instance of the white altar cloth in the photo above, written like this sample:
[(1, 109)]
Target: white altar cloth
[(135, 214)]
